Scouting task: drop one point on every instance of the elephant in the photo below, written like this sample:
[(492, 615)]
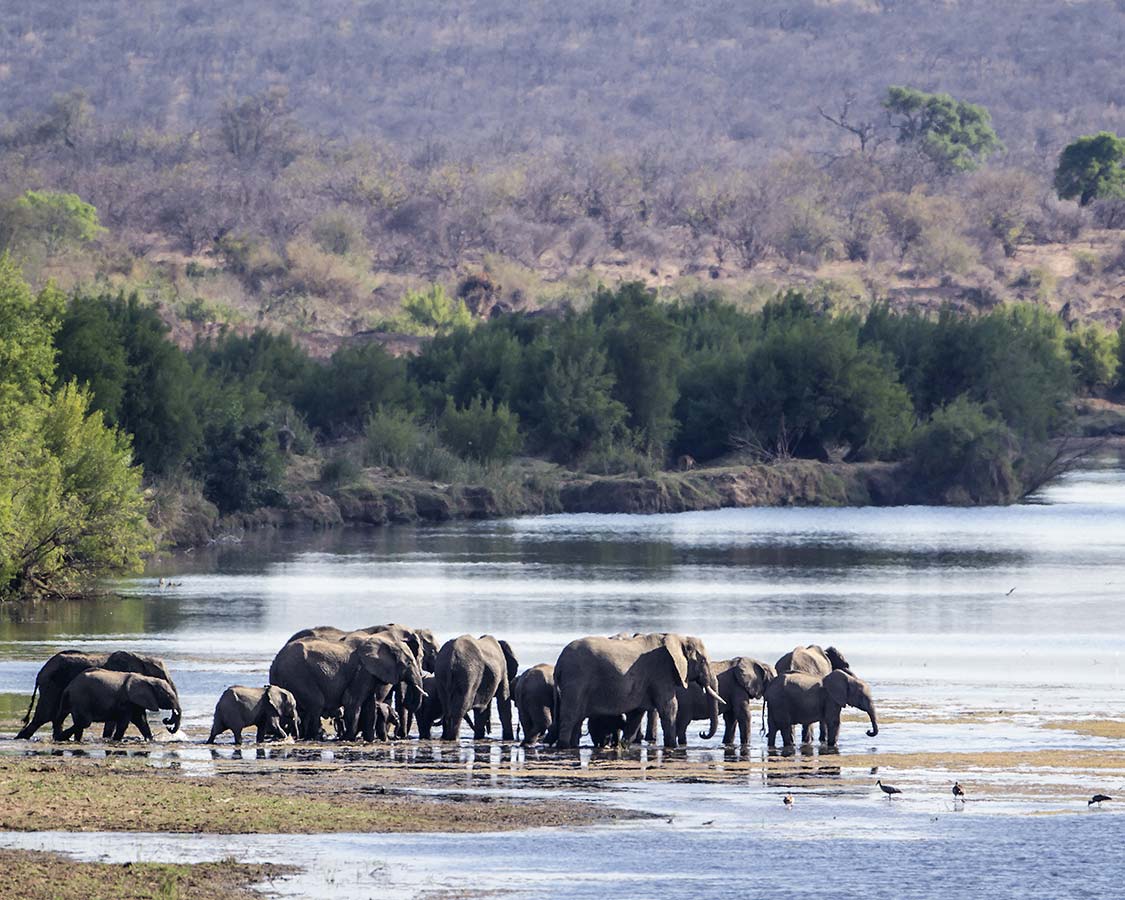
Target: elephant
[(797, 698), (612, 676), (325, 675), (420, 641), (270, 709), (63, 667), (533, 692), (386, 721), (740, 680), (469, 673), (430, 710), (811, 660), (115, 698)]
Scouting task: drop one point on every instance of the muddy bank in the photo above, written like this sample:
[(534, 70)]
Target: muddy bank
[(380, 498)]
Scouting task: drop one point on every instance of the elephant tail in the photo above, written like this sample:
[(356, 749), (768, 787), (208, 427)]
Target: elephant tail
[(27, 715), (762, 729)]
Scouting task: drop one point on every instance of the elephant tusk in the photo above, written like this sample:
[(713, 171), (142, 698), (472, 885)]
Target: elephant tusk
[(711, 692)]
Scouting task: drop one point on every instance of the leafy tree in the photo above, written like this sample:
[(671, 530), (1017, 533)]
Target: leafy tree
[(56, 219), (577, 412), (71, 505), (643, 350), (240, 465), (1091, 169), (955, 135), (91, 350), (1093, 357), (486, 432), (430, 312), (357, 380)]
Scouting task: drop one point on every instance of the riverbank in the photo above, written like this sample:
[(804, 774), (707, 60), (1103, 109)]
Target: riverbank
[(276, 797), (378, 497)]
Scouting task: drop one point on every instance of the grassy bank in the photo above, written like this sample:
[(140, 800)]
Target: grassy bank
[(33, 875), (128, 795)]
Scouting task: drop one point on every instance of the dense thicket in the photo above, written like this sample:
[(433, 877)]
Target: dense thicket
[(628, 383)]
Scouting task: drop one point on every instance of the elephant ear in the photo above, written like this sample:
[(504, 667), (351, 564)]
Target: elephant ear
[(675, 648), (273, 700), (836, 683), (510, 658), (140, 692), (751, 675), (836, 658), (377, 657)]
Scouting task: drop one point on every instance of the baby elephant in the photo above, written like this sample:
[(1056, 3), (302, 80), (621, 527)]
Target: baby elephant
[(386, 721), (117, 698), (271, 709)]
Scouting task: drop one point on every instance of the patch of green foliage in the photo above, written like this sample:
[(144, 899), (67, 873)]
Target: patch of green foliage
[(1091, 169), (956, 136), (71, 503)]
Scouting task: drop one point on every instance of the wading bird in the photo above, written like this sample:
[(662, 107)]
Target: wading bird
[(788, 801), (958, 792), (1097, 798), (888, 790)]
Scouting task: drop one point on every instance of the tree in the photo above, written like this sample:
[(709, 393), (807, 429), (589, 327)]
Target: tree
[(71, 505), (954, 135), (56, 220), (486, 432), (1091, 168)]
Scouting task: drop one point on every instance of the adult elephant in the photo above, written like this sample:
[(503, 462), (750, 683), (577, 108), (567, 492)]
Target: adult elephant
[(421, 642), (470, 672), (740, 681), (613, 676), (62, 668), (115, 698), (799, 699), (533, 692), (327, 675), (812, 660)]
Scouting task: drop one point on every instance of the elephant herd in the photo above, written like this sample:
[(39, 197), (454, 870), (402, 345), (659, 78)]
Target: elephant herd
[(378, 683)]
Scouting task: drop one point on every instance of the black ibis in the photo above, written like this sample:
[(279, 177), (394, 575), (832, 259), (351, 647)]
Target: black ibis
[(1097, 798), (958, 791), (888, 790)]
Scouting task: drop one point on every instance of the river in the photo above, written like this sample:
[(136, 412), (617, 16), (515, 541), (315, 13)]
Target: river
[(1012, 615)]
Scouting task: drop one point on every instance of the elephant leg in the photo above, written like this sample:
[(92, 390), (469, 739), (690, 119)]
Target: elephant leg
[(120, 727), (787, 735), (482, 722), (744, 721), (141, 721), (108, 729), (806, 734), (833, 732), (504, 707), (668, 722), (569, 725), (728, 728), (650, 727), (44, 710), (632, 731), (215, 732)]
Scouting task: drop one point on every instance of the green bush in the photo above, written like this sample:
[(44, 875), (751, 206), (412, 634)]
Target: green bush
[(391, 438), (1093, 357), (965, 455), (240, 466), (340, 469), (481, 431)]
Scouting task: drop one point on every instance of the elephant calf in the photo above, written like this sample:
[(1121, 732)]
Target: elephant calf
[(533, 692), (799, 699), (98, 695), (272, 710)]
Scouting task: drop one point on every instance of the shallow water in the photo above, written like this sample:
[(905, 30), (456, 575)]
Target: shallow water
[(1015, 612)]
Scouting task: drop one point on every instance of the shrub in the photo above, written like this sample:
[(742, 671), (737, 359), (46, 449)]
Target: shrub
[(481, 431), (1093, 357), (340, 469), (965, 455), (391, 438), (240, 466)]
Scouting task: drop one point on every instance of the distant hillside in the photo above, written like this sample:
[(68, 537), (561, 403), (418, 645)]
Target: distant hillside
[(709, 77)]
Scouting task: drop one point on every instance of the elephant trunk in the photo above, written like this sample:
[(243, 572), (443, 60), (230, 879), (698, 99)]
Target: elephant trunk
[(173, 721), (415, 693), (712, 694), (874, 724)]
